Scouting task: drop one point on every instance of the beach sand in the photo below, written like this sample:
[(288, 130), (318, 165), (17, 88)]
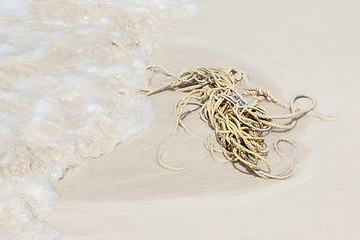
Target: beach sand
[(287, 47)]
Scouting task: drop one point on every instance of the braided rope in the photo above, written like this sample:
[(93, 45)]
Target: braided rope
[(239, 125)]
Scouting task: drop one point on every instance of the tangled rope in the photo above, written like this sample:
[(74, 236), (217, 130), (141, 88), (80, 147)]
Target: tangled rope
[(240, 126)]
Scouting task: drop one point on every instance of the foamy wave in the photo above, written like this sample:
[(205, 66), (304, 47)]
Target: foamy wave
[(70, 76)]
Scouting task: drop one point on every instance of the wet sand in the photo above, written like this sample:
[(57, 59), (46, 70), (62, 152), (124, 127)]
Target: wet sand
[(286, 47)]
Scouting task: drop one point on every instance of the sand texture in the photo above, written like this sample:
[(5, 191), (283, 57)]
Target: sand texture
[(288, 47)]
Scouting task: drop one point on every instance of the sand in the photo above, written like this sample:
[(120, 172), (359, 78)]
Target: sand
[(286, 46)]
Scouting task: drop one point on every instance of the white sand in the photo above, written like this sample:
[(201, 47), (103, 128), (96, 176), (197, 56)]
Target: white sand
[(286, 46)]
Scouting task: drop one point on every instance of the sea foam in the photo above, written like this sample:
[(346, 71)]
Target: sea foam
[(70, 80)]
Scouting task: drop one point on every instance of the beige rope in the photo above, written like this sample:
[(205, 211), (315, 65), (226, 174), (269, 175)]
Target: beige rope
[(239, 125)]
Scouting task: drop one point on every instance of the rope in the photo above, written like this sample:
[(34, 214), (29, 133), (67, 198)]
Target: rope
[(240, 126)]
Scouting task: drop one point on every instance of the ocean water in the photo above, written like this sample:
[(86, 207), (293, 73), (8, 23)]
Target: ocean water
[(70, 78)]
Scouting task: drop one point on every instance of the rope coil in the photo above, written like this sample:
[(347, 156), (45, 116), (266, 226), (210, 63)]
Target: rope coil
[(239, 125)]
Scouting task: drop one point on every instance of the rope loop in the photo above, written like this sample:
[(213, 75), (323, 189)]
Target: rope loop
[(238, 124)]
